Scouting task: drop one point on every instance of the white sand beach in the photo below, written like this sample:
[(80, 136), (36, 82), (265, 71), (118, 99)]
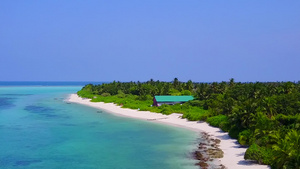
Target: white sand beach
[(233, 153)]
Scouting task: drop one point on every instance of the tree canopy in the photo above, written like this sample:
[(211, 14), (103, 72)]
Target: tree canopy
[(264, 116)]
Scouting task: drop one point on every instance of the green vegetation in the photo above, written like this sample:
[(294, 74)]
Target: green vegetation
[(263, 116)]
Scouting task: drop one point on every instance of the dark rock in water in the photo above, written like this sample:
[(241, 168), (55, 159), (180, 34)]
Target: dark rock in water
[(6, 102), (222, 166), (203, 165), (44, 111), (209, 151), (26, 162), (215, 153), (204, 148), (217, 141), (198, 155), (38, 109)]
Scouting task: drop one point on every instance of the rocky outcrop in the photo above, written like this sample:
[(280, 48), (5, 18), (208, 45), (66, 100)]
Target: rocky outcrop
[(208, 152)]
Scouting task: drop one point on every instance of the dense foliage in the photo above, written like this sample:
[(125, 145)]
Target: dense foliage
[(263, 116)]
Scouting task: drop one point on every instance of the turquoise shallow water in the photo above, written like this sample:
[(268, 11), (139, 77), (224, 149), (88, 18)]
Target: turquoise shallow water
[(38, 130)]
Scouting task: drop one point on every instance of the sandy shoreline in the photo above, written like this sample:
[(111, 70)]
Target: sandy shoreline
[(233, 153)]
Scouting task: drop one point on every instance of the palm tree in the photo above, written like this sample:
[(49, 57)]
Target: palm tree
[(189, 86), (287, 151), (269, 106), (176, 83), (231, 82)]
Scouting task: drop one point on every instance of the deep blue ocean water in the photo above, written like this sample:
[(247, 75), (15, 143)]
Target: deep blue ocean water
[(38, 130)]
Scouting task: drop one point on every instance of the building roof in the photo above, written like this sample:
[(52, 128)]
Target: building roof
[(173, 98)]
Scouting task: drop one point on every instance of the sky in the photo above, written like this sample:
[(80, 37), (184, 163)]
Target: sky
[(134, 40)]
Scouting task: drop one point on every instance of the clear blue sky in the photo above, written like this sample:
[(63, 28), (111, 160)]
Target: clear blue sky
[(124, 40)]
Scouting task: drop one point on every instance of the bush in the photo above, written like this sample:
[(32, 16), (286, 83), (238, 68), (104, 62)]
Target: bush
[(234, 132), (192, 116), (165, 109), (262, 155), (288, 119), (105, 94), (174, 92), (186, 93), (121, 94), (196, 103), (225, 125), (201, 115), (144, 97), (244, 137), (217, 120), (85, 94), (145, 108)]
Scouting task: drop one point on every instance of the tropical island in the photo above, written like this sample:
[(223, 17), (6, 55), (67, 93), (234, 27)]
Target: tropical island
[(263, 116)]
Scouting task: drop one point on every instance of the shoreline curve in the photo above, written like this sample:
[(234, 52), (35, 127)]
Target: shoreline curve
[(233, 152)]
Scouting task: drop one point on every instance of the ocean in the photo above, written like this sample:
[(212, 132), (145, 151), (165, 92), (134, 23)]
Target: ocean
[(39, 130)]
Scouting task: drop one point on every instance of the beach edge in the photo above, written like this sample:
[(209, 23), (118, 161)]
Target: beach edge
[(233, 152)]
